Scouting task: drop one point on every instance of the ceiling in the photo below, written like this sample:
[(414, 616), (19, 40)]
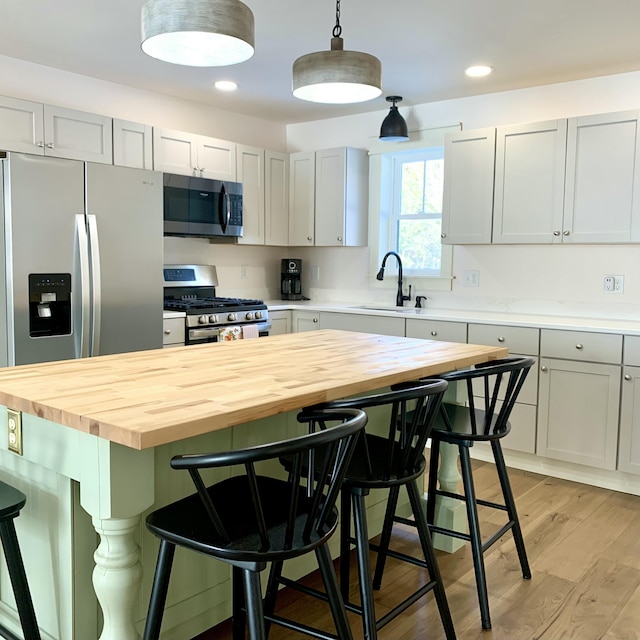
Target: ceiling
[(424, 47)]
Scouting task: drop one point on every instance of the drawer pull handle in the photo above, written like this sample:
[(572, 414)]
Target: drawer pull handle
[(627, 377), (579, 347), (500, 339), (434, 333)]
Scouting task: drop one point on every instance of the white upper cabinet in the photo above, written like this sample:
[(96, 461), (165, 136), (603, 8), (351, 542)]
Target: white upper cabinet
[(250, 172), (467, 205), (31, 127), (602, 196), (193, 155), (276, 198), (132, 144), (329, 198), (529, 183)]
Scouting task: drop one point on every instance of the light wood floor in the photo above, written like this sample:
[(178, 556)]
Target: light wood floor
[(583, 545)]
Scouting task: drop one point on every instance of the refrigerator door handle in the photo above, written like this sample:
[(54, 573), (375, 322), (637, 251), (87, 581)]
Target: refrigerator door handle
[(96, 280), (85, 290)]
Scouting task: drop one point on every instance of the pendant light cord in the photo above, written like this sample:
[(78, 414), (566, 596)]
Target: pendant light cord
[(337, 30)]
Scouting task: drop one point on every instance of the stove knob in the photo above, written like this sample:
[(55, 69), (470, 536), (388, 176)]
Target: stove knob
[(203, 320), (248, 315), (258, 315), (213, 319), (231, 317)]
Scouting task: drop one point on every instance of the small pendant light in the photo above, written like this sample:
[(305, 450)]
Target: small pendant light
[(394, 126), (337, 76), (198, 33)]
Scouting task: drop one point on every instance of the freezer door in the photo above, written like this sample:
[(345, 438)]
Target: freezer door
[(41, 196), (126, 248)]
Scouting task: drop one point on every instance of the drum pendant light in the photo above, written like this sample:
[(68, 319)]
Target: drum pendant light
[(394, 126), (198, 33), (337, 76)]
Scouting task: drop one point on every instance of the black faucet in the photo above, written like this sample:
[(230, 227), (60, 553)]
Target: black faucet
[(400, 297)]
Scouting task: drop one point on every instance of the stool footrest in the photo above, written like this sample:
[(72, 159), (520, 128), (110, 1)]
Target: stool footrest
[(7, 634)]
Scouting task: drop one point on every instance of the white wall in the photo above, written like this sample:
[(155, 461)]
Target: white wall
[(565, 280)]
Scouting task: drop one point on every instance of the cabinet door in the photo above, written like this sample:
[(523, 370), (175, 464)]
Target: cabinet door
[(363, 323), (77, 135), (173, 332), (467, 206), (132, 144), (330, 190), (276, 199), (301, 199), (21, 125), (305, 321), (602, 200), (280, 322), (175, 152), (629, 445), (217, 159), (578, 412), (529, 183), (251, 174)]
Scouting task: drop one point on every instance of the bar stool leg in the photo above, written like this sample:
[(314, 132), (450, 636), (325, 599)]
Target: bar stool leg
[(475, 536), (336, 603), (253, 599), (159, 591), (239, 618), (19, 580), (433, 480), (345, 545), (510, 503), (385, 538)]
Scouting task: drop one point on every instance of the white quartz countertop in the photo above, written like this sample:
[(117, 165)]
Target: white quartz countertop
[(167, 315), (568, 323)]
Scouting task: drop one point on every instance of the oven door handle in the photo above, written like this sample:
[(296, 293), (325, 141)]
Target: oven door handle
[(208, 332)]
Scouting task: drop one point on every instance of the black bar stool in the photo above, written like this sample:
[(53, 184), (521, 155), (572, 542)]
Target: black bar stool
[(249, 520), (11, 503), (491, 392), (390, 462)]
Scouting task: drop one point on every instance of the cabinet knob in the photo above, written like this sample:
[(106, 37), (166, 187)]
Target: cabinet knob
[(556, 233), (339, 238), (315, 319), (40, 144), (49, 145), (167, 332), (543, 368), (627, 377), (443, 235), (309, 238), (434, 333), (579, 347), (566, 232), (500, 339)]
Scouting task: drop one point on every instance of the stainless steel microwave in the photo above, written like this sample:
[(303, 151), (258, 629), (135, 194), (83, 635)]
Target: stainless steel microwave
[(201, 207)]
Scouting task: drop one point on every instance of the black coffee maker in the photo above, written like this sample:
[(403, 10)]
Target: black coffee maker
[(290, 279)]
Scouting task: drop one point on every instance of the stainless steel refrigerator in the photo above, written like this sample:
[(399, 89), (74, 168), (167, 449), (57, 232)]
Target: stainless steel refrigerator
[(82, 260)]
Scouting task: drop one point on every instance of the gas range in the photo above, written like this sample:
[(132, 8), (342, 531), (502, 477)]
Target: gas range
[(191, 288)]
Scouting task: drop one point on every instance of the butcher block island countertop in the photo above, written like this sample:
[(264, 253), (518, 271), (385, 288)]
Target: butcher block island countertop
[(150, 398)]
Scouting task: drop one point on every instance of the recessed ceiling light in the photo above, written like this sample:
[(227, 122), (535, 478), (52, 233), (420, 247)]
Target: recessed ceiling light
[(479, 71), (225, 85)]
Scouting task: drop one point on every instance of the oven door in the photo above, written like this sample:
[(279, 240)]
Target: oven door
[(202, 335)]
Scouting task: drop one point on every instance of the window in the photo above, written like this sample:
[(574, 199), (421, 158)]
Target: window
[(406, 214)]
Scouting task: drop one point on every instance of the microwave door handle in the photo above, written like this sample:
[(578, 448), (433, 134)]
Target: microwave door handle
[(96, 284), (85, 290), (224, 208)]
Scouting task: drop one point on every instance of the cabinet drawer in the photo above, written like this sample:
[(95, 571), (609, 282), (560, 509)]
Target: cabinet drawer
[(437, 330), (581, 345), (632, 350), (173, 331), (364, 324), (522, 340)]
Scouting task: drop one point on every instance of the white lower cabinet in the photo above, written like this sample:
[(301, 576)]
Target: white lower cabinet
[(363, 323), (305, 321), (280, 322), (629, 440), (579, 399), (173, 332)]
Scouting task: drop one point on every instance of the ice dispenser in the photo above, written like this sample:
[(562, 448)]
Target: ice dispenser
[(49, 304)]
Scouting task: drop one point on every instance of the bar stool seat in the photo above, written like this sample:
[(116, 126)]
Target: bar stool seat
[(11, 503)]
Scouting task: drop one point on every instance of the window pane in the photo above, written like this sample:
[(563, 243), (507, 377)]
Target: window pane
[(419, 243), (434, 185), (412, 194)]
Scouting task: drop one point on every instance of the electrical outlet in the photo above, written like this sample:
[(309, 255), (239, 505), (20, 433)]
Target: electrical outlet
[(614, 284), (14, 428), (471, 278), (315, 272), (243, 271)]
